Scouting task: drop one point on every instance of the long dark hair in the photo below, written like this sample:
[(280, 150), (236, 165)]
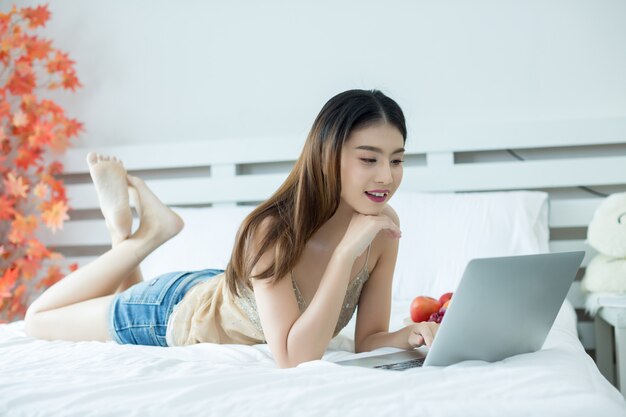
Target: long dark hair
[(311, 193)]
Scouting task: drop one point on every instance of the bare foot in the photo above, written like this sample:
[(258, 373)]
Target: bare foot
[(157, 221), (109, 177), (134, 198)]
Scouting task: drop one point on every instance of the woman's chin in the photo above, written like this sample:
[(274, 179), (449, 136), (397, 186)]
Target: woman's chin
[(370, 211), (366, 208)]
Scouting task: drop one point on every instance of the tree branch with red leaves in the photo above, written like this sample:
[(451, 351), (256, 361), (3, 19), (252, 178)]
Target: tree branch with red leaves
[(34, 130)]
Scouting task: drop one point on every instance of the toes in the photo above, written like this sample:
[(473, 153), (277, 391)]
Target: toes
[(92, 158)]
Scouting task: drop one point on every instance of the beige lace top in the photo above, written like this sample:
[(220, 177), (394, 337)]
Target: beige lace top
[(209, 313)]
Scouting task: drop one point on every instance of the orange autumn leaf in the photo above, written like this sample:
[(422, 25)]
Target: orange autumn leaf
[(37, 48), (37, 250), (7, 208), (24, 67), (72, 127), (41, 190), (41, 135), (5, 145), (5, 108), (54, 275), (28, 102), (55, 256), (7, 45), (15, 237), (69, 81), (36, 16), (55, 168), (51, 107), (19, 291), (28, 267), (20, 84), (60, 63), (22, 227), (17, 307), (5, 19), (15, 186), (59, 142), (27, 157), (3, 166), (54, 215), (20, 119), (56, 187), (7, 282)]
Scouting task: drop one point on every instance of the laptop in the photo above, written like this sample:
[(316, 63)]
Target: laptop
[(502, 307)]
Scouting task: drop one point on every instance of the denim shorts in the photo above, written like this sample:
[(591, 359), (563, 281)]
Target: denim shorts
[(139, 315)]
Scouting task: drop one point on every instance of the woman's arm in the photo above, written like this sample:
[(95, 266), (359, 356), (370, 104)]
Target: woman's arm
[(372, 326), (295, 338), (408, 337)]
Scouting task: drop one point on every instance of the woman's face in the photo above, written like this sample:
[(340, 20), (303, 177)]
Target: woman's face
[(371, 167)]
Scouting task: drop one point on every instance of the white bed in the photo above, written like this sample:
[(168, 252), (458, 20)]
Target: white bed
[(40, 378)]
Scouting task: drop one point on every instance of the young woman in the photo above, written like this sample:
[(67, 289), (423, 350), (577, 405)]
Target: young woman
[(325, 242)]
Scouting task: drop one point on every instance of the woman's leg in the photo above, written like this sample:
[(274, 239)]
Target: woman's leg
[(75, 308), (135, 275), (109, 178)]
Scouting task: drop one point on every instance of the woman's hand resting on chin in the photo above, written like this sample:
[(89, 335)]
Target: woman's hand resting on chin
[(362, 230)]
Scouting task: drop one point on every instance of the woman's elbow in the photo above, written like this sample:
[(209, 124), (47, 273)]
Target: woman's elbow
[(286, 365), (282, 360), (287, 361), (293, 352), (360, 346)]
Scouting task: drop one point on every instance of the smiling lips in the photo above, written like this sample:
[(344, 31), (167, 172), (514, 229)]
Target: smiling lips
[(377, 196)]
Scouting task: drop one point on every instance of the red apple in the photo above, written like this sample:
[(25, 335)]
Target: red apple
[(445, 297), (422, 307)]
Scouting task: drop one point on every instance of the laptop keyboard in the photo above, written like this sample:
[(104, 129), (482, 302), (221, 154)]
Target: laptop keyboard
[(401, 366)]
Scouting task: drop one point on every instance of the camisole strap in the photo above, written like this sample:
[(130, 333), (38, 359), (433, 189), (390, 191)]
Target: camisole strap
[(368, 254), (297, 290)]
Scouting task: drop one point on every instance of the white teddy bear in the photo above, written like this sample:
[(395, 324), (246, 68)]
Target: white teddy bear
[(607, 234)]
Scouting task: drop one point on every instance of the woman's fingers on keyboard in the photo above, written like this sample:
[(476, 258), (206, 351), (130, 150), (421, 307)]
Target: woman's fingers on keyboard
[(422, 333)]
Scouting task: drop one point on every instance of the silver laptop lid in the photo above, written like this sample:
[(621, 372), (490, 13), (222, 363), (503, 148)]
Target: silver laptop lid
[(503, 307)]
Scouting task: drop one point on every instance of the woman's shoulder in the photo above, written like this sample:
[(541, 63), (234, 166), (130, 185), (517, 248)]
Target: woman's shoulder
[(259, 236), (263, 229)]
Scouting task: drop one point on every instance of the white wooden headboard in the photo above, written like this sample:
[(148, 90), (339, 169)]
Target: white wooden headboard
[(558, 158)]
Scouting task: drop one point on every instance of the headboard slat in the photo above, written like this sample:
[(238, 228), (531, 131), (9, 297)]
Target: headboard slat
[(576, 212), (464, 177)]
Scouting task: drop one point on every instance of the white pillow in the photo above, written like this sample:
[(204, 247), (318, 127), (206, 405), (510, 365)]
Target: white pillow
[(206, 241), (441, 233)]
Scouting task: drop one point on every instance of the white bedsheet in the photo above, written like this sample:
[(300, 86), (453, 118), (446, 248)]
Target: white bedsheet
[(39, 378)]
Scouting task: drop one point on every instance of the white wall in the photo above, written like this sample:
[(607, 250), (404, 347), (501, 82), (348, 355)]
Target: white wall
[(160, 71)]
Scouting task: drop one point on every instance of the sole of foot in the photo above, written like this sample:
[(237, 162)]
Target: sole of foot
[(110, 179)]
